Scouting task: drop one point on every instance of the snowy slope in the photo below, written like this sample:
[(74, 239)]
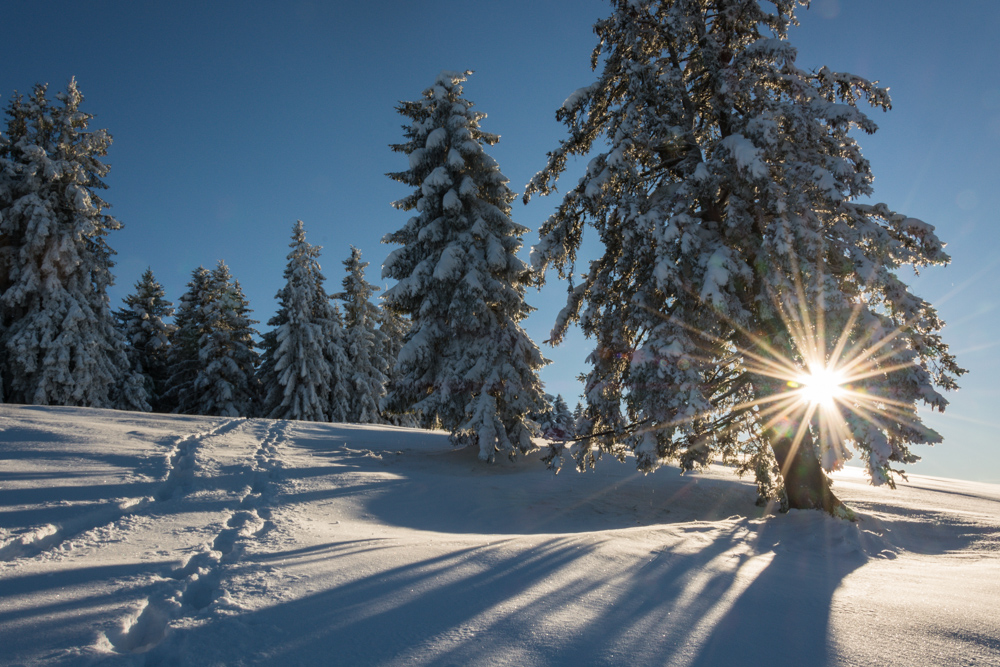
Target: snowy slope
[(130, 539)]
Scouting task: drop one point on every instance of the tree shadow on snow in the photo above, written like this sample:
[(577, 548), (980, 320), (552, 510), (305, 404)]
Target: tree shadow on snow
[(52, 610), (733, 592), (451, 491), (603, 568), (554, 588), (536, 605)]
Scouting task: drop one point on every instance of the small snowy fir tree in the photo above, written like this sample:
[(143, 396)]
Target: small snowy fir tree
[(544, 418), (363, 342), (212, 357), (579, 420), (555, 421), (182, 358), (562, 420), (296, 373), (226, 384), (342, 373), (58, 340), (466, 361), (394, 329), (725, 187), (142, 323)]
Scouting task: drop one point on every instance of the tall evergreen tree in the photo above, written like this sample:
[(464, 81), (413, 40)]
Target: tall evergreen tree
[(58, 341), (142, 323), (296, 372), (363, 342), (737, 257), (466, 361)]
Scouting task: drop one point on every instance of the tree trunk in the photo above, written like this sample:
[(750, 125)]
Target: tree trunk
[(806, 485)]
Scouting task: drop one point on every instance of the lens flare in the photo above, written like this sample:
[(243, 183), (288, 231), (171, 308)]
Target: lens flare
[(805, 370), (820, 386)]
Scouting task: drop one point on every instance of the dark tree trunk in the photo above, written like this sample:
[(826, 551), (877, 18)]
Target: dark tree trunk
[(806, 485)]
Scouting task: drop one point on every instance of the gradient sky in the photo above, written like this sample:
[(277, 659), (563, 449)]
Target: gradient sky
[(233, 119)]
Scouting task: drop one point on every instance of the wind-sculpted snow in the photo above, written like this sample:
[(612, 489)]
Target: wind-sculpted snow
[(261, 542)]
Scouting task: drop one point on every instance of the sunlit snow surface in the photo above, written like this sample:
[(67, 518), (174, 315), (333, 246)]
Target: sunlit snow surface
[(131, 539)]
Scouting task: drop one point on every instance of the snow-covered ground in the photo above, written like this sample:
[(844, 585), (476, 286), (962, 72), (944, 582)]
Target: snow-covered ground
[(151, 539)]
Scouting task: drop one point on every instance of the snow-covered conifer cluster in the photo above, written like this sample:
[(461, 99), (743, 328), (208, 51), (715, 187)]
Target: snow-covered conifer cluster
[(555, 421), (315, 365), (213, 359), (227, 384)]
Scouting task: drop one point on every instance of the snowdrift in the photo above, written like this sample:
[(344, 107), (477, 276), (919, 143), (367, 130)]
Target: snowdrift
[(130, 539)]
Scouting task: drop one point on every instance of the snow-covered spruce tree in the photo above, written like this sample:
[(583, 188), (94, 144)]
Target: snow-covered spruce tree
[(58, 341), (295, 371), (142, 323), (226, 384), (363, 342), (466, 361), (545, 417), (342, 372), (562, 420), (394, 329), (555, 421), (212, 360), (183, 361), (737, 256), (579, 423)]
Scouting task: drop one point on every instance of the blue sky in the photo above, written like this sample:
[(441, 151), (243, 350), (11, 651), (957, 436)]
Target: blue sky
[(233, 119)]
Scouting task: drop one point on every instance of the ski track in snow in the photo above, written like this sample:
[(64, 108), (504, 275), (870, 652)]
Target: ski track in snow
[(180, 462), (196, 587)]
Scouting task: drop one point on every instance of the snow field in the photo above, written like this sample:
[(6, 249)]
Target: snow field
[(271, 542), (204, 506)]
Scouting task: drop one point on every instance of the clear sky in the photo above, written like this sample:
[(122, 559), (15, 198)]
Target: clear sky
[(233, 119)]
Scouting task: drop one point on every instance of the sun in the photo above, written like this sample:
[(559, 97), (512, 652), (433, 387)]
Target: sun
[(820, 386)]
